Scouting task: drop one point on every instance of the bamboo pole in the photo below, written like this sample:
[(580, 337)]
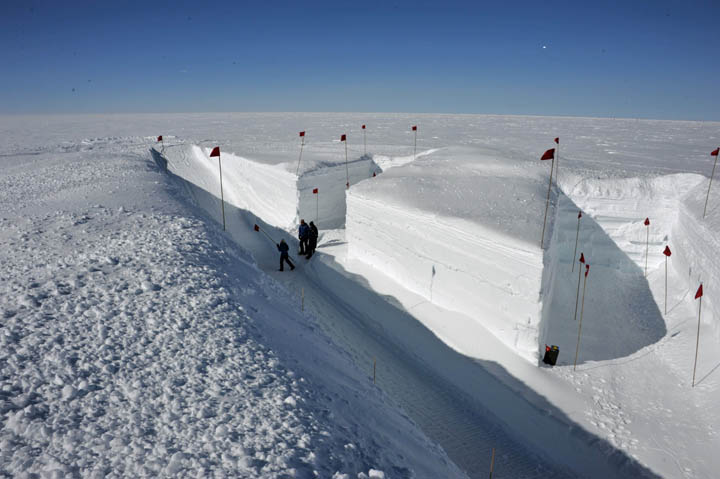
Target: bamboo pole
[(577, 293), (647, 245), (222, 196), (347, 171), (697, 342), (582, 310), (709, 185), (302, 143), (666, 274), (492, 463), (547, 203), (577, 236)]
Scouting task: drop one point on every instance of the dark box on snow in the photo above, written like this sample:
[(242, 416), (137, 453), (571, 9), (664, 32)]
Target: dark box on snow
[(551, 355)]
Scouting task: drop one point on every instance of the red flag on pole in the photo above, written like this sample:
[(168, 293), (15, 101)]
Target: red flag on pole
[(315, 191), (215, 152), (699, 292), (587, 269), (414, 128), (363, 127), (557, 140), (582, 258), (159, 138), (579, 214), (302, 133), (647, 222), (548, 155), (256, 228), (713, 153), (343, 138), (667, 251)]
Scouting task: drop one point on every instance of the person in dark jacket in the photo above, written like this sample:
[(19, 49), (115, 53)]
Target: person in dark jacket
[(284, 256), (303, 236), (312, 240)]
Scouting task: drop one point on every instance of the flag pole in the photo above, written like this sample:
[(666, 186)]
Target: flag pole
[(666, 261), (415, 143), (582, 310), (715, 154), (697, 342), (317, 205), (364, 140), (343, 138), (216, 152), (547, 202), (577, 235), (557, 168), (222, 196), (647, 244), (577, 294), (302, 143)]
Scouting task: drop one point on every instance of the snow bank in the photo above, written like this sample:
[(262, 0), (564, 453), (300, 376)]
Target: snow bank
[(462, 230)]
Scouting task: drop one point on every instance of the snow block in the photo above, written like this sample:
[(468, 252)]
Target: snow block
[(271, 190), (462, 230)]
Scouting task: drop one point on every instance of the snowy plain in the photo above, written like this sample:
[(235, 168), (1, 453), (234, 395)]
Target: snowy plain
[(465, 212)]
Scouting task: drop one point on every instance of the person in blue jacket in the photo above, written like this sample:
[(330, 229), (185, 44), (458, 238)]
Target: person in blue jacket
[(303, 236), (284, 256)]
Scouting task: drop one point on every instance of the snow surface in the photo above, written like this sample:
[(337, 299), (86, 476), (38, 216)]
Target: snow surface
[(627, 411), (138, 341)]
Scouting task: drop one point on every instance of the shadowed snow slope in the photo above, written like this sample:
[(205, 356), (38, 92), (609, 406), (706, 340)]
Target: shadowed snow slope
[(461, 229)]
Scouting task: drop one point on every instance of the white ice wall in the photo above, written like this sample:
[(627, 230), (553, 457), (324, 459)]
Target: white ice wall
[(454, 263), (327, 208)]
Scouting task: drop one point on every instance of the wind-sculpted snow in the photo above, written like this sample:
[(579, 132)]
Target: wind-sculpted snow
[(462, 230)]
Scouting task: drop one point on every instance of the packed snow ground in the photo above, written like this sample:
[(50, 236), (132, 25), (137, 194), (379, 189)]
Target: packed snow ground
[(138, 341), (630, 395)]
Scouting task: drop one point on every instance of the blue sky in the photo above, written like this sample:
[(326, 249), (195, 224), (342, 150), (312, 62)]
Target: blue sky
[(647, 59)]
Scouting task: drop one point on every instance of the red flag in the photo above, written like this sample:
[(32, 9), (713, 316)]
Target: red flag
[(699, 292), (374, 175), (302, 133), (256, 228), (582, 258), (667, 251), (713, 153), (414, 128), (363, 127), (548, 155), (647, 222), (587, 270), (215, 152), (557, 140), (579, 214), (315, 191), (343, 138), (160, 138)]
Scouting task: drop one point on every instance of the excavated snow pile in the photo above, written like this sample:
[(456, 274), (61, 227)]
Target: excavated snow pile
[(462, 230)]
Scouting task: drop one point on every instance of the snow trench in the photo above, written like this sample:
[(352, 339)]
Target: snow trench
[(486, 411)]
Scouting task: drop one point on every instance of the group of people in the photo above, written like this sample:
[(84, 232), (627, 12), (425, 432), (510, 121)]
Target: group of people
[(308, 236)]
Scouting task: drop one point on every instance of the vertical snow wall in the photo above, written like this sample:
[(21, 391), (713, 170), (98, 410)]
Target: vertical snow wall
[(270, 191)]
